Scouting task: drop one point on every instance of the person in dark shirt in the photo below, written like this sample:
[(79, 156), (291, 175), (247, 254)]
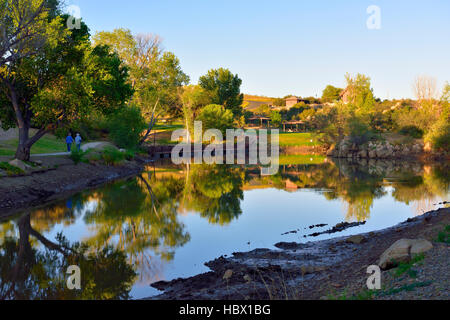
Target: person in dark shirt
[(69, 141)]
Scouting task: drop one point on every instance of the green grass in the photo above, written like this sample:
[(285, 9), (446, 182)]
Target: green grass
[(301, 159), (403, 267), (47, 144), (305, 139), (10, 170), (444, 236)]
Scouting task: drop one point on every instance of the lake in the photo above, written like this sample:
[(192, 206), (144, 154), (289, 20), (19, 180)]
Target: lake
[(169, 221)]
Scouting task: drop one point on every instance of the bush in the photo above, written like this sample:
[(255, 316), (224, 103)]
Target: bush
[(358, 131), (126, 126), (217, 117), (439, 135), (78, 156), (411, 131), (112, 156)]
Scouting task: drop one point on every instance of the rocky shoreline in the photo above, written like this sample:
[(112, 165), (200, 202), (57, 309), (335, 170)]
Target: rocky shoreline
[(62, 179), (315, 270), (376, 150)]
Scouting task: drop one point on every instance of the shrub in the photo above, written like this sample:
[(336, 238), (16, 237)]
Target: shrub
[(125, 127), (112, 156), (358, 131), (215, 116), (78, 156), (412, 131), (439, 135)]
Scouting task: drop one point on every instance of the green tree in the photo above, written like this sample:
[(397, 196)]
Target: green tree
[(194, 98), (64, 82), (360, 93), (264, 110), (35, 274), (331, 94), (156, 75), (225, 89), (126, 126), (24, 26), (215, 116), (275, 118), (279, 102)]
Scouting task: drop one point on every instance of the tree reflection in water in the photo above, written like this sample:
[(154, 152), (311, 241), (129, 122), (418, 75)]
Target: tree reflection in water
[(135, 225), (38, 272)]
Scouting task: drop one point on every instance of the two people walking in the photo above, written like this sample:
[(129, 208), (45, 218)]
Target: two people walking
[(70, 141)]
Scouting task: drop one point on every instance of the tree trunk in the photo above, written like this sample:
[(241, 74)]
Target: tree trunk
[(23, 149)]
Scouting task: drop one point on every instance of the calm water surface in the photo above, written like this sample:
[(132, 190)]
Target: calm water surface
[(167, 222)]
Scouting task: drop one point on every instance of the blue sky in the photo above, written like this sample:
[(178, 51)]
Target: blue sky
[(292, 46)]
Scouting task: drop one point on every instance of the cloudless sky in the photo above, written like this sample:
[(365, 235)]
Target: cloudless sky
[(283, 47)]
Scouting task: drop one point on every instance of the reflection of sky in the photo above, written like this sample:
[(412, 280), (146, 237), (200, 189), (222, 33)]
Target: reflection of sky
[(267, 214)]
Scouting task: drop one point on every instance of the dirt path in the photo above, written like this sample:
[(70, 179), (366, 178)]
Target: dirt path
[(330, 269)]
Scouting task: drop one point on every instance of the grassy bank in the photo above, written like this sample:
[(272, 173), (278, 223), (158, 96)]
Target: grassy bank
[(47, 144)]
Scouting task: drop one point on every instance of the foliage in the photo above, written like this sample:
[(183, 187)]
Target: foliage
[(412, 131), (275, 118), (194, 98), (112, 156), (217, 117), (331, 93), (264, 110), (359, 93), (444, 236), (78, 156), (11, 170), (279, 102), (125, 127), (406, 267), (156, 74), (224, 89), (439, 135), (65, 81)]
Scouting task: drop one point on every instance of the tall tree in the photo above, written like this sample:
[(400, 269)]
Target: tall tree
[(62, 83), (331, 93), (225, 89), (360, 93), (23, 27), (155, 74)]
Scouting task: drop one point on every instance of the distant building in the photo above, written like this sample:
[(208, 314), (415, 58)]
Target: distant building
[(292, 101)]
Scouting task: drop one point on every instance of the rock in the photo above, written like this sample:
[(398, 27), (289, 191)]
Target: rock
[(356, 239), (402, 251), (19, 164), (420, 246), (2, 173)]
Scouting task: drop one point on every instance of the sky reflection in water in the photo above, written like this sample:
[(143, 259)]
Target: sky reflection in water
[(171, 220)]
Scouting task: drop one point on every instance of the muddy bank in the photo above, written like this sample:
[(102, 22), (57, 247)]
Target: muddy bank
[(307, 271), (62, 179)]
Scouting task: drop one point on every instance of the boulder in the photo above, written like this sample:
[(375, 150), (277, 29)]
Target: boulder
[(19, 164), (402, 251)]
